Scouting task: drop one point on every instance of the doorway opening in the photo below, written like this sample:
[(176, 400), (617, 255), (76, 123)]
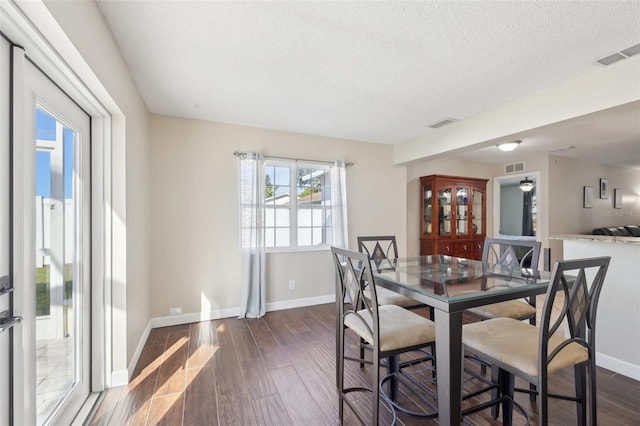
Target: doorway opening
[(515, 211)]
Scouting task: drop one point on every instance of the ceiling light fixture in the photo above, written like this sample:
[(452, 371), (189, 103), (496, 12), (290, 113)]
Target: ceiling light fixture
[(509, 146), (527, 185)]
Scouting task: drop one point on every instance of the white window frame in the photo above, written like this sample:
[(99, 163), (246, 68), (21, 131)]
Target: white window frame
[(293, 166)]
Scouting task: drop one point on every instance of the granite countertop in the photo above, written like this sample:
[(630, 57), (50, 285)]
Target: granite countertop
[(596, 238)]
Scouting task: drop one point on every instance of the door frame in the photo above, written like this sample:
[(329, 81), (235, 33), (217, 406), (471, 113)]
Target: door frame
[(17, 25)]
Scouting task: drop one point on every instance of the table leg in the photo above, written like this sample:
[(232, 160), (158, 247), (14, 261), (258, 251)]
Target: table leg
[(449, 356)]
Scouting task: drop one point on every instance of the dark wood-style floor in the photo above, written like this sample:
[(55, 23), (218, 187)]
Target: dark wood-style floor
[(280, 370)]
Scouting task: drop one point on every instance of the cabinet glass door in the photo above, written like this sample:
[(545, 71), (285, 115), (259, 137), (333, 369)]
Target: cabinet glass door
[(444, 211), (478, 220), (462, 199), (428, 214)]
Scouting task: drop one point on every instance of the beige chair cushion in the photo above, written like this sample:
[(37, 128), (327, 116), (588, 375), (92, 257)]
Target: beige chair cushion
[(389, 297), (516, 309), (509, 342), (399, 328)]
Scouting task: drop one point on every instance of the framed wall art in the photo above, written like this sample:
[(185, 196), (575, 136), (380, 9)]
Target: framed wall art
[(587, 197), (617, 198), (604, 188)]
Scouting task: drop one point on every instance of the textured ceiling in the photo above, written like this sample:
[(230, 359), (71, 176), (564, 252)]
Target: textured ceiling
[(370, 71)]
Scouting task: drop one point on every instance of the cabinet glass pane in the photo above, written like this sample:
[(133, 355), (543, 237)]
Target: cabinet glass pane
[(428, 214), (462, 221), (444, 211), (478, 220)]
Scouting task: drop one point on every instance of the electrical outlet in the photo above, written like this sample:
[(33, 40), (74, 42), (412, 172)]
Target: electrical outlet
[(175, 311), (292, 284)]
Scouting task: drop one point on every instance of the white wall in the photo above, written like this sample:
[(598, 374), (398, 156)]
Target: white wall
[(618, 318), (108, 77), (195, 261), (567, 177)]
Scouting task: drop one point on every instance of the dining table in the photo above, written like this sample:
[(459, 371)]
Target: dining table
[(451, 285)]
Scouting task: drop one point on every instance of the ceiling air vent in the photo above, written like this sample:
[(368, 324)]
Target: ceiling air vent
[(514, 168), (618, 56), (442, 123)]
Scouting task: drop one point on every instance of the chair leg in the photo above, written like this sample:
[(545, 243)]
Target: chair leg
[(433, 360), (543, 400), (592, 391), (340, 374), (579, 372), (532, 387), (393, 368), (495, 392), (507, 388), (375, 389)]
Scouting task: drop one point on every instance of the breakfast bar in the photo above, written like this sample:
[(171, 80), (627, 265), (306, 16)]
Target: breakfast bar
[(618, 345)]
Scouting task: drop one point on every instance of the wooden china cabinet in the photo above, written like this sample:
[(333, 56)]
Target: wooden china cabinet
[(453, 213)]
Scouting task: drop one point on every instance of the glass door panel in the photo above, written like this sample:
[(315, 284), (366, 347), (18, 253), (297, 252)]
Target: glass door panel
[(444, 211), (478, 219), (462, 199), (56, 359), (57, 299), (428, 214)]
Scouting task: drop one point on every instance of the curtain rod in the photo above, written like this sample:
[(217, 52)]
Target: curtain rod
[(304, 160)]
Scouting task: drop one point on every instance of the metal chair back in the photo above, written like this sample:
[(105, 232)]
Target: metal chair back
[(514, 253)]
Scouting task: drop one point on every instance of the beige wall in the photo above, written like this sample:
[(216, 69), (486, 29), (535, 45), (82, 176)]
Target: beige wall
[(195, 259), (105, 72), (567, 177)]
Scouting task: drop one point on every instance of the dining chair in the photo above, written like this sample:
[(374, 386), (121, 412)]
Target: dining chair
[(517, 254), (380, 250), (515, 348), (390, 330)]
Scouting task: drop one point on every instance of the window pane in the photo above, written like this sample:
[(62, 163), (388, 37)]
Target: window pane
[(328, 217), (269, 216), (269, 237), (304, 217), (309, 185), (282, 176), (304, 236), (277, 185), (317, 217), (317, 236), (282, 195), (269, 189), (282, 217), (282, 237), (326, 196)]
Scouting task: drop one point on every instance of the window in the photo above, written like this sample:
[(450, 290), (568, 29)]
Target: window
[(299, 221)]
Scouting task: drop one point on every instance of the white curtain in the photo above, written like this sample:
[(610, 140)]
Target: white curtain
[(253, 262), (339, 204)]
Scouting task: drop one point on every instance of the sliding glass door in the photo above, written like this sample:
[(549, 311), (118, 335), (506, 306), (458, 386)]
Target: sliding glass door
[(57, 135)]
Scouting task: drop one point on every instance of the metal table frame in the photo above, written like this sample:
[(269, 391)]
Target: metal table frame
[(448, 319)]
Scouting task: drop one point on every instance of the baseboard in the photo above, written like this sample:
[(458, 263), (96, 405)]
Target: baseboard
[(138, 351), (193, 317), (618, 366), (300, 303), (122, 377)]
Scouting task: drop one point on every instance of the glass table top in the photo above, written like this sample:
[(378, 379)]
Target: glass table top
[(451, 278)]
